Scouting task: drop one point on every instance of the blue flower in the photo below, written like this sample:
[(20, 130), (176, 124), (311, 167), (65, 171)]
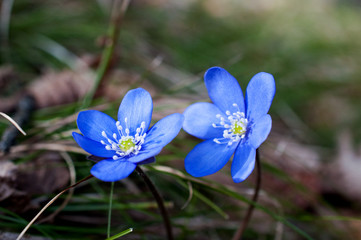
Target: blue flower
[(127, 142), (230, 125)]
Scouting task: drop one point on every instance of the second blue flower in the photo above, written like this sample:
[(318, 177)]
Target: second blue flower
[(231, 124)]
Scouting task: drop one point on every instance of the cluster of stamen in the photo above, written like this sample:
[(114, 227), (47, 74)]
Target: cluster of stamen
[(126, 144), (235, 126)]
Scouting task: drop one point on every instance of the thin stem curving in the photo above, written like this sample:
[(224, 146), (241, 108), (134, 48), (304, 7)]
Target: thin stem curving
[(238, 235), (159, 200), (110, 208), (48, 204)]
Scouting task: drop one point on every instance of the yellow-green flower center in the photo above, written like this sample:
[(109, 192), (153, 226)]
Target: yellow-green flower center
[(126, 145), (239, 128)]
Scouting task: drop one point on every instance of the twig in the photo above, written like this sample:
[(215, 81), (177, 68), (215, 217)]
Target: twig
[(13, 122), (45, 146), (114, 28), (25, 107), (48, 204), (159, 200), (190, 187), (244, 223)]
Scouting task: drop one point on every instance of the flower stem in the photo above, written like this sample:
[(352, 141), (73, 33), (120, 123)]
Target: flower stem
[(110, 208), (244, 223), (159, 200)]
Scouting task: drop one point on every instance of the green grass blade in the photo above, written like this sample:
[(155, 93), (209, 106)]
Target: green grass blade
[(121, 234)]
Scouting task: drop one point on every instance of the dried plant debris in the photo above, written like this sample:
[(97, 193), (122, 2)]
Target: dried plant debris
[(301, 163), (18, 183), (119, 81), (60, 88), (8, 172), (50, 89), (343, 176), (48, 170)]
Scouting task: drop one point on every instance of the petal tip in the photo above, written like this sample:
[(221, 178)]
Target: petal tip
[(74, 134), (212, 71), (266, 78), (139, 91), (238, 180), (243, 175), (106, 171)]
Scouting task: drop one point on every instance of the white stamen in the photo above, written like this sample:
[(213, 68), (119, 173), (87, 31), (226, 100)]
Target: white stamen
[(235, 126), (126, 144)]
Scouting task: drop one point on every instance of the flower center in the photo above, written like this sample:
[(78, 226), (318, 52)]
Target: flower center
[(239, 127), (126, 145), (235, 126)]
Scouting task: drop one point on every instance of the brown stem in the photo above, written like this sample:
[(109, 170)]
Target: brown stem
[(238, 235), (159, 200)]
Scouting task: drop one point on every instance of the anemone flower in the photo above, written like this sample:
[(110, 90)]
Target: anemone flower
[(125, 143), (231, 124)]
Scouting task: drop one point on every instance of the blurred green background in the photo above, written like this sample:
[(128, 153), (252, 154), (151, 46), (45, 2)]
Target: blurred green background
[(311, 161)]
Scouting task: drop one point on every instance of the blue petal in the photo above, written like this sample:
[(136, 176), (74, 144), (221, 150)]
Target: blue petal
[(144, 154), (91, 123), (137, 107), (158, 136), (164, 131), (147, 161), (207, 158), (260, 130), (224, 90), (112, 170), (259, 95), (243, 162), (92, 147), (198, 120)]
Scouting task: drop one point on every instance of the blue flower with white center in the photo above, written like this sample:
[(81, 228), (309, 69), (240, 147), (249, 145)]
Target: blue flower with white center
[(229, 125), (127, 142)]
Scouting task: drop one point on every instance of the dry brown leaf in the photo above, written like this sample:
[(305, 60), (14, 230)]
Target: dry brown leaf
[(60, 88), (343, 174), (8, 171), (43, 175), (299, 161)]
